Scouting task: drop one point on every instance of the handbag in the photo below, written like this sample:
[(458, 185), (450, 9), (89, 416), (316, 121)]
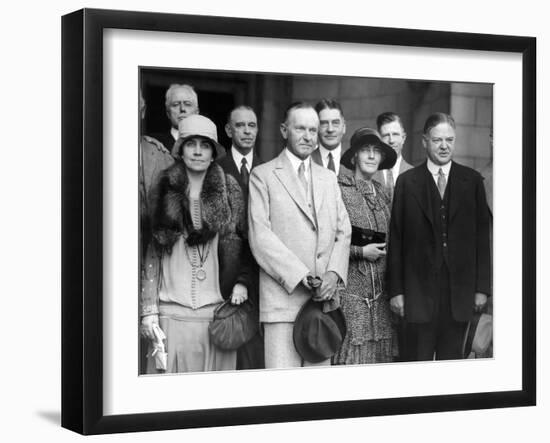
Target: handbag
[(233, 325), (364, 236)]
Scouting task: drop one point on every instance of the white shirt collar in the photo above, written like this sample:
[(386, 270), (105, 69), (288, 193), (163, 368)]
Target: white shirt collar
[(336, 154), (175, 133), (295, 161), (434, 169), (394, 170), (238, 158)]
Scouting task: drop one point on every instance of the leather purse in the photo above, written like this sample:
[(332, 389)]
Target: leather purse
[(233, 325), (364, 236)]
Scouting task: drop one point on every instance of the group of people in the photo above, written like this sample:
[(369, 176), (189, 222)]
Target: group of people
[(403, 252)]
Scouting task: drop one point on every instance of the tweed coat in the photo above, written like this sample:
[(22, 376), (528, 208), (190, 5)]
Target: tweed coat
[(223, 213), (414, 253), (365, 301), (288, 241)]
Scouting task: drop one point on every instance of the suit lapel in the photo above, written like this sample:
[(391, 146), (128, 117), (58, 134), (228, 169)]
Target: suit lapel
[(288, 178), (457, 184), (229, 166), (421, 191), (318, 187), (316, 157)]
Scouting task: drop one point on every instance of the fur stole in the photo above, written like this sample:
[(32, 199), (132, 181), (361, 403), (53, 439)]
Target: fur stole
[(222, 207)]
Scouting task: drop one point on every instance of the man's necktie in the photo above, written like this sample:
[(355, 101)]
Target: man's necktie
[(302, 176), (244, 172), (389, 182), (441, 182), (331, 163)]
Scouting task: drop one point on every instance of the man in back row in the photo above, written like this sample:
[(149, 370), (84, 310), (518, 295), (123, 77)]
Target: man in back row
[(242, 129), (393, 133), (181, 101), (332, 127)]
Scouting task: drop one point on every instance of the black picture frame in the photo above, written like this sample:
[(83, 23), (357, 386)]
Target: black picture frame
[(82, 220)]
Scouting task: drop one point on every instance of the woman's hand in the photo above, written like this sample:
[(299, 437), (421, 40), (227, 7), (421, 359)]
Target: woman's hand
[(147, 323), (239, 294), (374, 251)]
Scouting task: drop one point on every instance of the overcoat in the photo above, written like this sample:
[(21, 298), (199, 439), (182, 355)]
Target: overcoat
[(415, 252)]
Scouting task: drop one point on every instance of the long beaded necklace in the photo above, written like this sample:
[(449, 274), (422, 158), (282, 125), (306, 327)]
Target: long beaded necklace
[(202, 249)]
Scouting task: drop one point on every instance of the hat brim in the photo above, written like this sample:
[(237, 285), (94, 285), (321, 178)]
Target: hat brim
[(390, 156), (309, 310), (219, 150)]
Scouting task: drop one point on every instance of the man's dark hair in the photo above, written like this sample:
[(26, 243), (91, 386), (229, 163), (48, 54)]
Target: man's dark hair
[(326, 103), (388, 117), (248, 108), (436, 119)]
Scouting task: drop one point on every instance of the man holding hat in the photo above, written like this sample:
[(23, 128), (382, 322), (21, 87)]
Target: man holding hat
[(439, 269), (194, 261), (298, 230)]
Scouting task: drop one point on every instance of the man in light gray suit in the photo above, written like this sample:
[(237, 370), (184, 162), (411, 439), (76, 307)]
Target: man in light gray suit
[(298, 227), (393, 133)]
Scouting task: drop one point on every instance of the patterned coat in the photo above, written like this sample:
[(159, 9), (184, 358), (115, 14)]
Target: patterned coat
[(364, 300)]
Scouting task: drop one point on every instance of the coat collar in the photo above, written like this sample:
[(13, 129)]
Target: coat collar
[(173, 218), (284, 171)]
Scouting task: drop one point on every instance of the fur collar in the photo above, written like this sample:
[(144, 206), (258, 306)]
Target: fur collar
[(172, 217)]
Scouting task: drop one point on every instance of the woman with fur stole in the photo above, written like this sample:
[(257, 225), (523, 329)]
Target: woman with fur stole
[(195, 260)]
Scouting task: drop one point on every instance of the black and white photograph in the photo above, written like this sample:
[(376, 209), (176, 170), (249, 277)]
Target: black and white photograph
[(292, 220)]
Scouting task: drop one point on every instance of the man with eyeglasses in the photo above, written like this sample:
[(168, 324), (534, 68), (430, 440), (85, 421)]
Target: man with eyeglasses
[(332, 127), (181, 102)]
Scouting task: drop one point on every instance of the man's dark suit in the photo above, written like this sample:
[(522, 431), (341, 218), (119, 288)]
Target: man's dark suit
[(420, 251), (251, 355), (165, 138)]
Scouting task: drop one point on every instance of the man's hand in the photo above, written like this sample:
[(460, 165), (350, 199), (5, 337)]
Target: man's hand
[(374, 251), (305, 282), (397, 305), (328, 287), (147, 323), (239, 294), (480, 300)]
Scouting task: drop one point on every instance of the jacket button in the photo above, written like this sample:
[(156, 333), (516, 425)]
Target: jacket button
[(313, 228), (319, 255)]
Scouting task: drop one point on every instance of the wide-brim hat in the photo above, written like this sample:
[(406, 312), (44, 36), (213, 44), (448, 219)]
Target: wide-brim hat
[(362, 137), (318, 335), (479, 334), (197, 126)]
